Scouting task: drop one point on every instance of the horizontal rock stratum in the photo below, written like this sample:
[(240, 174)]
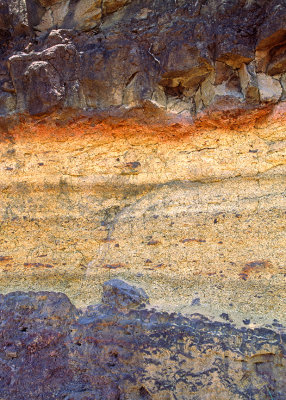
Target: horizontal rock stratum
[(122, 350), (178, 57), (143, 141), (184, 211)]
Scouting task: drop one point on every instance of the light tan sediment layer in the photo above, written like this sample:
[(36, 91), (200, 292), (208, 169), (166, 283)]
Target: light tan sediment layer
[(187, 212)]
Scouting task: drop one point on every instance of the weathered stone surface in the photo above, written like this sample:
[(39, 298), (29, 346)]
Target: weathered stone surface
[(47, 92), (173, 209), (127, 51), (109, 6), (143, 141), (51, 350), (7, 103), (123, 295), (283, 84), (277, 64), (49, 3), (53, 17), (87, 14), (270, 89), (249, 84), (40, 79), (272, 31)]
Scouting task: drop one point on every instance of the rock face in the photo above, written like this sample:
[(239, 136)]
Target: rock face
[(177, 209), (51, 350), (123, 295), (142, 141), (180, 57)]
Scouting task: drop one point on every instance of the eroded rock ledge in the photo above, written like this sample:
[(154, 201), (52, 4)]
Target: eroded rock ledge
[(179, 57), (123, 349), (104, 173)]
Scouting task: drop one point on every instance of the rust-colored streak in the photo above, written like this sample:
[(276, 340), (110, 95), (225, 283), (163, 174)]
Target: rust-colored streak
[(254, 267), (67, 127), (37, 265), (5, 259)]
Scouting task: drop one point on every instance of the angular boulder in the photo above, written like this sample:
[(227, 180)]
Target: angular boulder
[(269, 88)]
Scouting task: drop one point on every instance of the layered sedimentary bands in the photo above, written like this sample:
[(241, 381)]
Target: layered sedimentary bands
[(144, 141)]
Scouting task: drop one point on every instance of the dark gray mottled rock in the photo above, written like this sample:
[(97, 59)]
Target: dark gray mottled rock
[(50, 350), (122, 295), (178, 56)]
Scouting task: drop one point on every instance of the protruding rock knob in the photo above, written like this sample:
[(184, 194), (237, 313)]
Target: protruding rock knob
[(122, 295)]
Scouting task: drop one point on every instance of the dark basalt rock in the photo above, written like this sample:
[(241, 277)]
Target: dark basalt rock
[(50, 350), (123, 295), (180, 57)]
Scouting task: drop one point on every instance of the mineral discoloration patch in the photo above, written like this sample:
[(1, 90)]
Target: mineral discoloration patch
[(255, 267), (37, 265)]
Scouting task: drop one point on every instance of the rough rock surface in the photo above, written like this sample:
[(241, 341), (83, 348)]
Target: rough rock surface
[(181, 57), (177, 209), (143, 141), (51, 350), (123, 295)]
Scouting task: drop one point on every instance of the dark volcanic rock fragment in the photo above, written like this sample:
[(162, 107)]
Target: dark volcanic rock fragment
[(123, 295)]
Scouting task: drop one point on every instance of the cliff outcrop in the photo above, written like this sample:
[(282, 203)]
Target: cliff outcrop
[(121, 349), (143, 142), (175, 56)]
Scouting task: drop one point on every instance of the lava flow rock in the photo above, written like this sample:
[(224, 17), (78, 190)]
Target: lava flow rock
[(51, 350), (178, 57)]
